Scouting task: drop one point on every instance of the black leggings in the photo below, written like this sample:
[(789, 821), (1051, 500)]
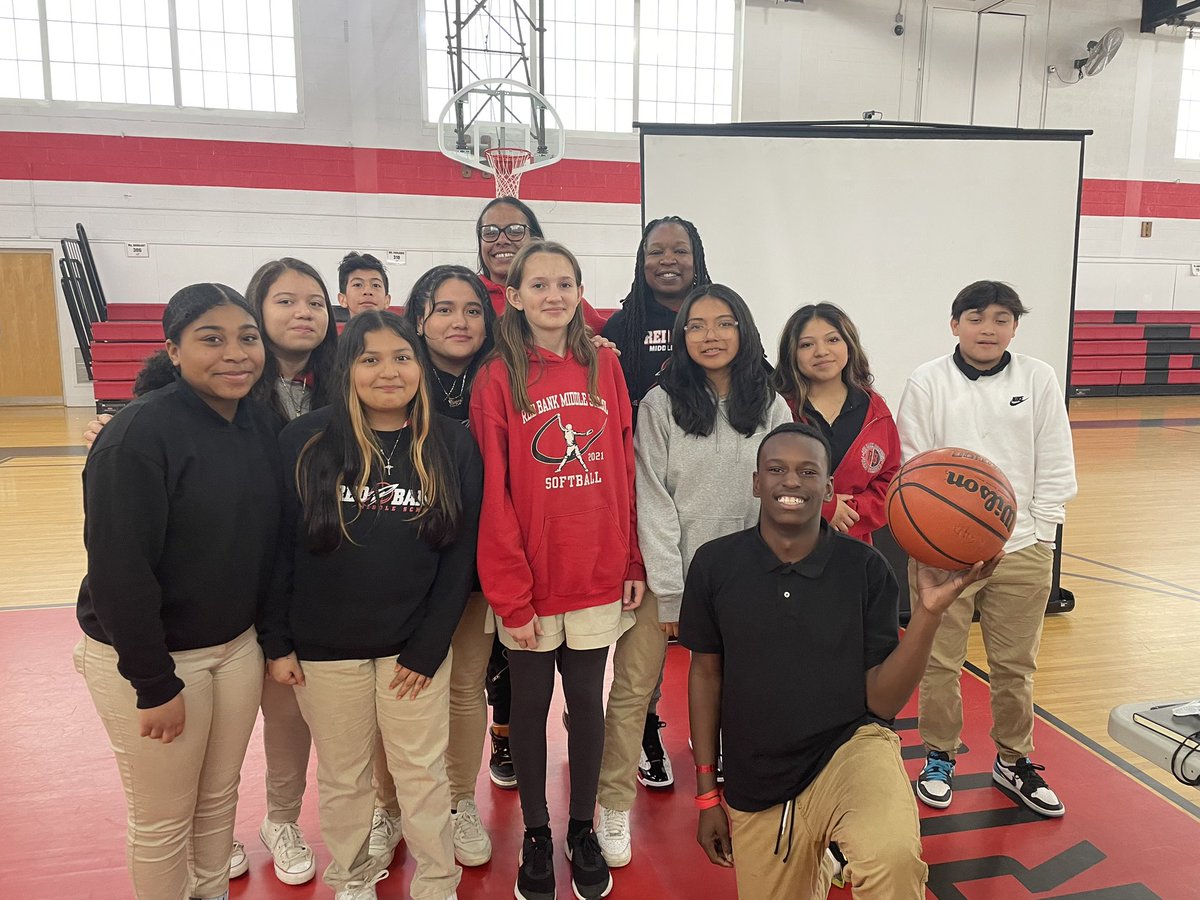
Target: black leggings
[(498, 684), (532, 689)]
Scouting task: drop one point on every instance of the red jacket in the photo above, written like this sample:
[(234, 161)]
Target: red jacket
[(594, 320), (558, 526), (867, 469)]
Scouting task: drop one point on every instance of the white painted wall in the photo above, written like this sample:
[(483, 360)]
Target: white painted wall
[(362, 85)]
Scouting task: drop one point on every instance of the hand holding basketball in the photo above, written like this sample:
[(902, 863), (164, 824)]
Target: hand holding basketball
[(951, 508), (938, 588)]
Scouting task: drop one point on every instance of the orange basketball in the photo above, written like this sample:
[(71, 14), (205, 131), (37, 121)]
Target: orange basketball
[(951, 508)]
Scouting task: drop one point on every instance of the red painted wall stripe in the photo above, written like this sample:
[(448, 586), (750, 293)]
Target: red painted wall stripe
[(38, 156), (26, 156)]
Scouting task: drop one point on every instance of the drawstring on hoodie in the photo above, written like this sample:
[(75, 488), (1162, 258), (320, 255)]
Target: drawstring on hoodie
[(788, 818)]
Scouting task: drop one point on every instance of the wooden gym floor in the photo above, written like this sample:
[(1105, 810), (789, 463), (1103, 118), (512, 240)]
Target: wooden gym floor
[(1129, 556)]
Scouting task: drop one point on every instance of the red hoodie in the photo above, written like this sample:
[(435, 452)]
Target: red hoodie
[(867, 469), (591, 317), (558, 526)]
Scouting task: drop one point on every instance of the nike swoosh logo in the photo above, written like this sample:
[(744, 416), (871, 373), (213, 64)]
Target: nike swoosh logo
[(1017, 401)]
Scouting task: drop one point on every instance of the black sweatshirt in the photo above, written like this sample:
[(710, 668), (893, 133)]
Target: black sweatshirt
[(388, 593), (181, 516), (653, 346)]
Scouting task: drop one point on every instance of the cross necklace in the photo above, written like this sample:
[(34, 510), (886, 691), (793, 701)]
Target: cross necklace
[(387, 459)]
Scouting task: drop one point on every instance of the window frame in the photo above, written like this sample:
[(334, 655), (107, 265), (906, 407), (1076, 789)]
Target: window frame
[(151, 111), (739, 22), (1180, 131)]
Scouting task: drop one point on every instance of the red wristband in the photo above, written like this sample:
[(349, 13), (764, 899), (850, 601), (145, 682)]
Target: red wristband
[(705, 801), (706, 770)]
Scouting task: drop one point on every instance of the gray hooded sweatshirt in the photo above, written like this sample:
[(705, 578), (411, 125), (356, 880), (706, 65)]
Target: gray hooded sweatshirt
[(691, 490)]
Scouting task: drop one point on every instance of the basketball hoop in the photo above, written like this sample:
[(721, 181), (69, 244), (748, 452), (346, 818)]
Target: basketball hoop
[(508, 164)]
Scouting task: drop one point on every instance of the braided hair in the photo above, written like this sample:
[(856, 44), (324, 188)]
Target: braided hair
[(633, 323)]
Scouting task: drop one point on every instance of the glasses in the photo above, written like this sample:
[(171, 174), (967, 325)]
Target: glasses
[(489, 234), (724, 328)]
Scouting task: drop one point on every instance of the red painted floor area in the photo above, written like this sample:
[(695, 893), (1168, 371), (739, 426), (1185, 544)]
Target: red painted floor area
[(62, 814)]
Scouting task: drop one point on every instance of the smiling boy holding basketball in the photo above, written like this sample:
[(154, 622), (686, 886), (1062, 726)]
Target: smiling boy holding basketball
[(1009, 408), (796, 662)]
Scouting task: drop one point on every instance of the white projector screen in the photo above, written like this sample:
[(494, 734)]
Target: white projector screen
[(887, 222)]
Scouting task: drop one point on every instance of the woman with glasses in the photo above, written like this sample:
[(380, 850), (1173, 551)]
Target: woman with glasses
[(502, 229), (698, 432)]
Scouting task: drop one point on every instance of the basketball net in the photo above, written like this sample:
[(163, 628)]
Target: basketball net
[(507, 165)]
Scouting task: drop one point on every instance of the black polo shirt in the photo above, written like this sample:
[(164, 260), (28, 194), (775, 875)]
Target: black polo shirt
[(846, 427), (796, 641)]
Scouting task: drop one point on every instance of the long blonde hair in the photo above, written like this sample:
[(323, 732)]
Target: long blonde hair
[(514, 336), (347, 452)]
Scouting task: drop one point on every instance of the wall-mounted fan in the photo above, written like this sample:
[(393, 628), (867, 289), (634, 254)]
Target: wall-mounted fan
[(1099, 53)]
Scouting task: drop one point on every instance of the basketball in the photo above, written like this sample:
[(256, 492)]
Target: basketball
[(951, 508)]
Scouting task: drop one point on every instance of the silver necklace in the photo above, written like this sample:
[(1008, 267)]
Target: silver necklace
[(460, 384), (295, 407), (387, 459)]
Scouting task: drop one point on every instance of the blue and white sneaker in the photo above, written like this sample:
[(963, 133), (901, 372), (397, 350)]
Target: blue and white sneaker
[(935, 784), (1023, 780)]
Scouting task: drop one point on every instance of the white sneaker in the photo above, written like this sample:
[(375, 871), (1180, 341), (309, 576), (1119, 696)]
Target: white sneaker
[(615, 843), (239, 863), (361, 890), (295, 863), (472, 846), (385, 835)]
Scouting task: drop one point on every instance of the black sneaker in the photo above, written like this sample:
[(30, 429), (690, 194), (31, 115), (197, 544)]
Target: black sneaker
[(535, 876), (1023, 780), (654, 766), (501, 765), (590, 877)]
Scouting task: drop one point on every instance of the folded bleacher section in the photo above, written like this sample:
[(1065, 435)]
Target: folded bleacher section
[(1135, 353)]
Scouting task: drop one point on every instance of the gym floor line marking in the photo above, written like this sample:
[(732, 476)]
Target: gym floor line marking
[(1085, 424), (1126, 584), (1104, 565), (34, 606), (1099, 749)]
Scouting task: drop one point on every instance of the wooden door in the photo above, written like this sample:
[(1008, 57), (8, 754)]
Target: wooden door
[(30, 363)]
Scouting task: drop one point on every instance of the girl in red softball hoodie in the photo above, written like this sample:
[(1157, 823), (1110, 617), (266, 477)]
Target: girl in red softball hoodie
[(824, 376), (558, 557)]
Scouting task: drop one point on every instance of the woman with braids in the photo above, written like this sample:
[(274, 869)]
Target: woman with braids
[(503, 227), (670, 262), (181, 505), (697, 437), (824, 375), (381, 510)]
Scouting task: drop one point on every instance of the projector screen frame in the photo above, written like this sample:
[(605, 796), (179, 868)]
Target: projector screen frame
[(1060, 599)]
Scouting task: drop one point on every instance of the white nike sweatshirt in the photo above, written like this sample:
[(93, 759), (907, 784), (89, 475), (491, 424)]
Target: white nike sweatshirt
[(1017, 418)]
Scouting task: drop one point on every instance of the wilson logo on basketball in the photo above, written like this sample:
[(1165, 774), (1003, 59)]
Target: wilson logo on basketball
[(993, 501), (872, 458)]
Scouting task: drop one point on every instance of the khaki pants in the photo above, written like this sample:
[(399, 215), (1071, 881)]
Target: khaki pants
[(1012, 609), (637, 664), (287, 743), (183, 793), (346, 703), (862, 800), (472, 648)]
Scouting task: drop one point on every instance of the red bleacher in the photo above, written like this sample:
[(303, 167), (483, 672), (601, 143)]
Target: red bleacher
[(120, 345), (1133, 353)]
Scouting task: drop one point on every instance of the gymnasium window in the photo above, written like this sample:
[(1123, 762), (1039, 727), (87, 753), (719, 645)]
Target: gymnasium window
[(1187, 136), (608, 62), (214, 54)]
